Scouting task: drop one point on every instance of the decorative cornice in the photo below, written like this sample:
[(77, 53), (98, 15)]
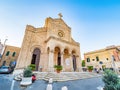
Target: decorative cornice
[(52, 37), (36, 30), (100, 50)]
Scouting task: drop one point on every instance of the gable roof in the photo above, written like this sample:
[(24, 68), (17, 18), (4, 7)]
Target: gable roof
[(55, 20)]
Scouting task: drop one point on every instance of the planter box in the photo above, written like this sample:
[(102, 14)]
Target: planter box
[(26, 81)]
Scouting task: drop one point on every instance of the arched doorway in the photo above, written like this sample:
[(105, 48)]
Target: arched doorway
[(74, 61), (57, 54), (59, 59), (36, 58)]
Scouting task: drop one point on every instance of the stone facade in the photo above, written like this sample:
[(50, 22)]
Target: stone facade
[(48, 46), (10, 54), (108, 57)]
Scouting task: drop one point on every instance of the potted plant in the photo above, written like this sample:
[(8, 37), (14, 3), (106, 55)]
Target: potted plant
[(90, 68), (27, 72), (83, 63), (58, 68), (27, 77), (32, 66)]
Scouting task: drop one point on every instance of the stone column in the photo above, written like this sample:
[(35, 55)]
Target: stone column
[(62, 53), (51, 61), (78, 63), (62, 59), (71, 61)]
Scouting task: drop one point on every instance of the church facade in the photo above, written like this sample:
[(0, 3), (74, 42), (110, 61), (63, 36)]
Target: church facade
[(48, 46)]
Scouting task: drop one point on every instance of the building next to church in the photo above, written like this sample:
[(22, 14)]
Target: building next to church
[(9, 55), (48, 46), (108, 57)]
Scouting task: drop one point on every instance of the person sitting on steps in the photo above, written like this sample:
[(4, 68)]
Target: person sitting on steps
[(33, 78)]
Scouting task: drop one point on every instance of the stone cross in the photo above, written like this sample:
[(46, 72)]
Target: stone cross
[(60, 15)]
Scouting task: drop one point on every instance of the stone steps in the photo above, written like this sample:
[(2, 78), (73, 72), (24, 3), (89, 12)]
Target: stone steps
[(66, 76), (63, 76)]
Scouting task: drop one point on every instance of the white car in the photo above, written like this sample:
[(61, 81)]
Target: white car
[(5, 70)]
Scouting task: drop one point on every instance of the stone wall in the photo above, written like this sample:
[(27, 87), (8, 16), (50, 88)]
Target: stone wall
[(10, 57)]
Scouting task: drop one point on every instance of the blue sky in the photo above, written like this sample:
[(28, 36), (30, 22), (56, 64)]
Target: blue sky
[(94, 23)]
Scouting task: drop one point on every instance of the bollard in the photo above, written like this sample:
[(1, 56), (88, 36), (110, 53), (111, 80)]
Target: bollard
[(49, 87), (50, 81), (100, 88), (64, 88)]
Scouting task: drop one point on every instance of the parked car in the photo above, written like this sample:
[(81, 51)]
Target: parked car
[(5, 70)]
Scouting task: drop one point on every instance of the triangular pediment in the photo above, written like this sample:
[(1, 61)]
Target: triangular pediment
[(62, 22), (56, 21)]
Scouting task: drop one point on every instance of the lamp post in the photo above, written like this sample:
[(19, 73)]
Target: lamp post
[(3, 47), (5, 41)]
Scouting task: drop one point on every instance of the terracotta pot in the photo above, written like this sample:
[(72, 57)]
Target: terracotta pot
[(58, 71), (90, 70)]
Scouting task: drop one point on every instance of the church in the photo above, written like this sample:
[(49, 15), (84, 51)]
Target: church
[(50, 45)]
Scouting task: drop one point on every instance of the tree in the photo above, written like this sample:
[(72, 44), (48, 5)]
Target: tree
[(83, 63), (27, 72), (111, 80)]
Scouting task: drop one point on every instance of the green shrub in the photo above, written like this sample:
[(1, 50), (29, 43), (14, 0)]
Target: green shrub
[(118, 86), (27, 72), (32, 66), (111, 80), (83, 63), (58, 67), (90, 67)]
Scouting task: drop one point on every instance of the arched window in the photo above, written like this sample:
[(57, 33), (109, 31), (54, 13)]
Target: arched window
[(97, 58), (13, 54), (8, 52), (88, 59)]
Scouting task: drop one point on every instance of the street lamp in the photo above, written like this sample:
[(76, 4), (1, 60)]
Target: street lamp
[(2, 47), (5, 41)]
